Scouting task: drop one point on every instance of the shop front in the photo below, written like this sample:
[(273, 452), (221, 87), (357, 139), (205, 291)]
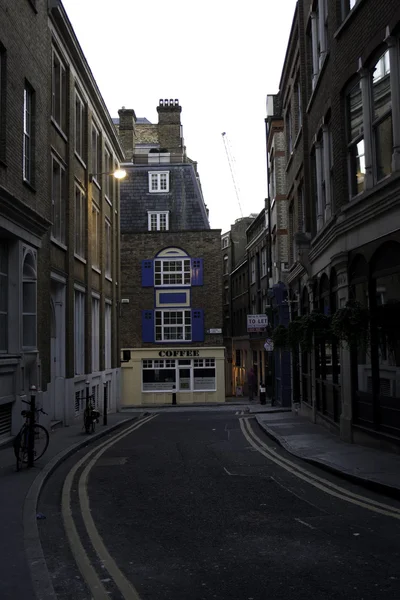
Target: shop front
[(173, 376)]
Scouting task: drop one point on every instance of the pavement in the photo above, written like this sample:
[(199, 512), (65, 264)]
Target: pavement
[(21, 556), (373, 468)]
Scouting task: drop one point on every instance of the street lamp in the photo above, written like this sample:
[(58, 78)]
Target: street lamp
[(118, 174)]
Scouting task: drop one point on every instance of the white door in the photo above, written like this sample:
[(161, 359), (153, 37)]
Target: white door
[(57, 350)]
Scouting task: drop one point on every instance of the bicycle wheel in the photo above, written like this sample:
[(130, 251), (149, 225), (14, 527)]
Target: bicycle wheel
[(41, 440), (20, 448)]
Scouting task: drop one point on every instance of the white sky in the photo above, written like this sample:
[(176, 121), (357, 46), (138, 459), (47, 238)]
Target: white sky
[(220, 58)]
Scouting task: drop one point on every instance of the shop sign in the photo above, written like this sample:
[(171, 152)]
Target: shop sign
[(180, 353), (269, 345), (257, 323), (218, 330)]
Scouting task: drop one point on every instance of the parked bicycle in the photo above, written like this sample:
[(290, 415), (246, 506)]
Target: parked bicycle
[(90, 416), (22, 440)]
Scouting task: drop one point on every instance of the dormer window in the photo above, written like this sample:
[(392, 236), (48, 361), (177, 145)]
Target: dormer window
[(158, 221), (158, 182)]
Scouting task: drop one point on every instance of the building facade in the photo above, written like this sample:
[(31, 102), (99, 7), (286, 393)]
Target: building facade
[(59, 221), (84, 237), (25, 207), (171, 277), (339, 104), (235, 306)]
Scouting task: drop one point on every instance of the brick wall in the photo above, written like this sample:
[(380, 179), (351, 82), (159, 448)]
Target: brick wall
[(141, 246)]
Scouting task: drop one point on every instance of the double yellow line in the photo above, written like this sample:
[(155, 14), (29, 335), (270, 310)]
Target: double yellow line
[(318, 482), (93, 581)]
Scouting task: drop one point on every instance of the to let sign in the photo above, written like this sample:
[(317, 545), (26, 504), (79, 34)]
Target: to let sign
[(257, 322)]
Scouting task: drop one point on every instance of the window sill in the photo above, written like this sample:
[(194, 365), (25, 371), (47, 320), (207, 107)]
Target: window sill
[(79, 159), (96, 183), (82, 260), (347, 19), (109, 278), (58, 128), (107, 199), (28, 185), (58, 243), (96, 269), (289, 162), (314, 92), (298, 136), (354, 200), (152, 192)]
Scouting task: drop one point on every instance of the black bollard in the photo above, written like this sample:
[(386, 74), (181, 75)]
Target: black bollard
[(105, 403), (173, 395)]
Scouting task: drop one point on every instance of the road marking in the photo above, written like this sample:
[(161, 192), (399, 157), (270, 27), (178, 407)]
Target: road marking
[(304, 523), (82, 560), (315, 480)]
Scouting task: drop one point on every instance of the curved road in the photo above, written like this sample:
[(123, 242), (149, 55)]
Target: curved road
[(202, 505)]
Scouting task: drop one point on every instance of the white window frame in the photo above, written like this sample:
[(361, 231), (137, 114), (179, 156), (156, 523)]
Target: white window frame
[(225, 242), (96, 236), (29, 281), (182, 271), (158, 220), (193, 365), (184, 328), (80, 222), (4, 295), (107, 334), (28, 130), (80, 112), (226, 265), (263, 262), (108, 167), (96, 153), (95, 333), (158, 182), (79, 331), (59, 201), (59, 92), (108, 248), (253, 270)]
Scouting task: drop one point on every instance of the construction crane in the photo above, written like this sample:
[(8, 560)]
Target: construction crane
[(231, 162)]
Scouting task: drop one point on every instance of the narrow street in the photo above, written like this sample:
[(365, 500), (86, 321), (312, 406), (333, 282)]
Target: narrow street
[(202, 505)]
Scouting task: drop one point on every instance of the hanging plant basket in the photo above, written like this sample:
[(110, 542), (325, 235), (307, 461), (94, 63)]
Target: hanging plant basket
[(304, 331), (280, 337), (350, 325), (295, 333)]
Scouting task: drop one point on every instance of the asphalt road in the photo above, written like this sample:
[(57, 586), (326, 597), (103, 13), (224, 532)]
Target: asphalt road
[(193, 506)]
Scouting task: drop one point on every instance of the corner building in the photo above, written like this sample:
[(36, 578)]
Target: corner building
[(171, 276)]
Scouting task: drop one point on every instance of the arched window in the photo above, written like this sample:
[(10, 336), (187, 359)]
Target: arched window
[(29, 302)]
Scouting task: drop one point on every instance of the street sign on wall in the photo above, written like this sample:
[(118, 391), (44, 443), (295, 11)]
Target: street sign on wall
[(256, 323)]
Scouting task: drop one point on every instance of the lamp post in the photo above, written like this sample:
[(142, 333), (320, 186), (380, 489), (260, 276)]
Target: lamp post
[(118, 174)]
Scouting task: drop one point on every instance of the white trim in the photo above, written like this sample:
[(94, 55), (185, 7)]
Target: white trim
[(158, 178), (57, 277), (79, 288), (158, 214), (96, 295), (108, 301)]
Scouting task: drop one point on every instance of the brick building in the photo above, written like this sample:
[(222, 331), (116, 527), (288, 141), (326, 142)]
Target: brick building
[(236, 305), (339, 103), (59, 227), (171, 277), (25, 206)]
